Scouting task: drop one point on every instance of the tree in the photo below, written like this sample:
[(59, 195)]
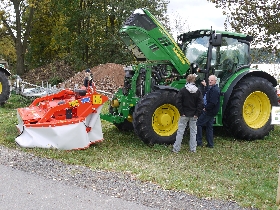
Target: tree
[(47, 39), (255, 17), (7, 47), (81, 32), (178, 25), (84, 32), (18, 23)]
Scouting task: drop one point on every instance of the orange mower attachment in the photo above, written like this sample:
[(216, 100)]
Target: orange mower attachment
[(69, 119)]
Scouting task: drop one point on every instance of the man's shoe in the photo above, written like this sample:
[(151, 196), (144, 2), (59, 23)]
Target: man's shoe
[(199, 145), (172, 150), (209, 146)]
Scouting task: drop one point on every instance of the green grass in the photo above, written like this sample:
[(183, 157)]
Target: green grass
[(243, 171)]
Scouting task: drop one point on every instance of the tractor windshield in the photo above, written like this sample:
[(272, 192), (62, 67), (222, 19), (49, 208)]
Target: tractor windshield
[(231, 56)]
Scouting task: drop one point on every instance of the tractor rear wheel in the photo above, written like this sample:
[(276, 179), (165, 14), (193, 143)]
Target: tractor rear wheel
[(247, 115), (155, 118), (4, 88)]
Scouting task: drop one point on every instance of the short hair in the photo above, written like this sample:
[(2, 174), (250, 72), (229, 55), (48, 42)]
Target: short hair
[(214, 76), (191, 77)]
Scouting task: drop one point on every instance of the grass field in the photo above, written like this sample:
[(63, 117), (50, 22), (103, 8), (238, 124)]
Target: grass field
[(243, 171)]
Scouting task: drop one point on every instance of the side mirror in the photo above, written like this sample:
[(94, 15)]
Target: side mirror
[(216, 40)]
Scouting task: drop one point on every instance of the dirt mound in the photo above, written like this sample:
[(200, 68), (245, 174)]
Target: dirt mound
[(107, 77), (59, 71)]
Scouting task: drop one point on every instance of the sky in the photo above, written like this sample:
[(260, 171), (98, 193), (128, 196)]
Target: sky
[(197, 14)]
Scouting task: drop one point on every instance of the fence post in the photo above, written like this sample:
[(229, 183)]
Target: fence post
[(278, 190)]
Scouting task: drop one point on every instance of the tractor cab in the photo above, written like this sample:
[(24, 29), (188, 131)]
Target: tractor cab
[(215, 52)]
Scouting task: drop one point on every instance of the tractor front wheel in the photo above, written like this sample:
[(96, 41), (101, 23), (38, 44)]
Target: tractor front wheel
[(4, 88), (155, 118), (247, 115)]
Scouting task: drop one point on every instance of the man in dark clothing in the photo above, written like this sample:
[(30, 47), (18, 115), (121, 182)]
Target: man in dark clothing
[(190, 105), (88, 78), (211, 108)]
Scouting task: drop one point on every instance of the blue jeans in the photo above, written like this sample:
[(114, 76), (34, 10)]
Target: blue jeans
[(182, 124), (205, 120)]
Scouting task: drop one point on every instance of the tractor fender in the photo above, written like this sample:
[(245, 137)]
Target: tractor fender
[(165, 87), (250, 72), (5, 71)]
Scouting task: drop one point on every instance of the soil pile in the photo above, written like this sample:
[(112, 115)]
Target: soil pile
[(58, 70), (107, 77)]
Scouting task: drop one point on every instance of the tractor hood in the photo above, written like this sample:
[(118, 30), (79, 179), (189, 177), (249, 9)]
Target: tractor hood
[(147, 39)]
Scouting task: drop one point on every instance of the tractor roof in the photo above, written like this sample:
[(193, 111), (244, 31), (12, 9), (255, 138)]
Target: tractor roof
[(207, 32)]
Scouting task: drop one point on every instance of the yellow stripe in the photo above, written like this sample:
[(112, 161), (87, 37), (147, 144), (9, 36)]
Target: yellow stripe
[(176, 49)]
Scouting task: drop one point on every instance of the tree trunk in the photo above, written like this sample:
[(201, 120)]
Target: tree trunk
[(19, 40), (20, 59)]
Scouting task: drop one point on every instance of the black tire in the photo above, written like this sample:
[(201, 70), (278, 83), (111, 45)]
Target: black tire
[(4, 88), (247, 115), (155, 118), (123, 126)]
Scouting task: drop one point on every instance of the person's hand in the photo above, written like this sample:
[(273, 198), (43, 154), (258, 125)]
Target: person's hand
[(203, 83), (194, 116)]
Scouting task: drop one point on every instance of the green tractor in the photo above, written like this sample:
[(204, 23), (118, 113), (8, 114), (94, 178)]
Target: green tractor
[(5, 85), (147, 101)]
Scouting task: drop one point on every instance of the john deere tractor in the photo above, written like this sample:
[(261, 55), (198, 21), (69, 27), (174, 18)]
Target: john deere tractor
[(147, 101), (4, 82)]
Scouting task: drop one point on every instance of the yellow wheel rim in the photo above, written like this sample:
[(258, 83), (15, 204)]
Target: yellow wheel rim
[(256, 109), (165, 120)]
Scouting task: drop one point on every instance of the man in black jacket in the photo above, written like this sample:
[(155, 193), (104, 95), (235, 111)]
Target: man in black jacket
[(88, 78), (211, 107), (190, 105)]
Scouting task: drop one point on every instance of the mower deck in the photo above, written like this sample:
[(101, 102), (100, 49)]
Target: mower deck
[(65, 120)]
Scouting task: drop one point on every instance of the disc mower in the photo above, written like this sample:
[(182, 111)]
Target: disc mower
[(69, 119)]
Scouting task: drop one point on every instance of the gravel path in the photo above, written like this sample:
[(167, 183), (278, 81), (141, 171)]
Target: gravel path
[(108, 183), (20, 190)]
